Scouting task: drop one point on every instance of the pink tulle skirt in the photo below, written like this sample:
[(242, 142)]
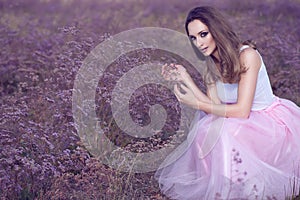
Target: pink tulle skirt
[(254, 158)]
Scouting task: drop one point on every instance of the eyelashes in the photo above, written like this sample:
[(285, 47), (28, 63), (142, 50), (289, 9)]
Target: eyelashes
[(201, 34), (192, 38)]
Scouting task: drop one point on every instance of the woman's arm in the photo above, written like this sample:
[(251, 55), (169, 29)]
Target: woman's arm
[(213, 94), (207, 98), (179, 74), (250, 59)]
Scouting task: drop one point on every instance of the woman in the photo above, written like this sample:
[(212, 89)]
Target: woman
[(247, 145)]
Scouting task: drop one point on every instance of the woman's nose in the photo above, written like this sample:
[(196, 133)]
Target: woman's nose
[(199, 42)]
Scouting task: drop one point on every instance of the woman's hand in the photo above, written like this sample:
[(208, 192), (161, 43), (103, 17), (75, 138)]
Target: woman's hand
[(191, 93), (186, 96), (174, 72)]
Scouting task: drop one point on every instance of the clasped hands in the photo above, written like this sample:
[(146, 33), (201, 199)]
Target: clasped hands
[(183, 80)]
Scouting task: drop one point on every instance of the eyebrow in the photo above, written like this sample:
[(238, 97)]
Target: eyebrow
[(199, 32)]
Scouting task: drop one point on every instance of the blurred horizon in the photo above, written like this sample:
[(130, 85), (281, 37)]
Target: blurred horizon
[(43, 44)]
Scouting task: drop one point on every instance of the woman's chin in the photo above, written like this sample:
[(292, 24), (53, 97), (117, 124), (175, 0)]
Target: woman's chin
[(206, 54)]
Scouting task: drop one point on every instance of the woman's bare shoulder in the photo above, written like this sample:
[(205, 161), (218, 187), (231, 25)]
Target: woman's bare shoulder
[(249, 57)]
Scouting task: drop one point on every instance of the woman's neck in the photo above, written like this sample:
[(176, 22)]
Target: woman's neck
[(215, 55)]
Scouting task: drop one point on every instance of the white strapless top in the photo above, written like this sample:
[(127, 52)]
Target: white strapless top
[(263, 97)]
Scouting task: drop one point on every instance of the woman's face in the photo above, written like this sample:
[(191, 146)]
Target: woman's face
[(202, 38)]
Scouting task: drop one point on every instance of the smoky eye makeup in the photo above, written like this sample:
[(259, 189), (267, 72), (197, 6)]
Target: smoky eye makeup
[(203, 34), (192, 38)]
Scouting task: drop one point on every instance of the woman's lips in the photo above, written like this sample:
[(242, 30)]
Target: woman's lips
[(204, 49)]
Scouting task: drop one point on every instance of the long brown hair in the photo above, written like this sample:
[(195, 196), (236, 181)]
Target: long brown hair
[(227, 42)]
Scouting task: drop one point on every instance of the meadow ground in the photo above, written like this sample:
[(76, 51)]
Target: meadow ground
[(43, 44)]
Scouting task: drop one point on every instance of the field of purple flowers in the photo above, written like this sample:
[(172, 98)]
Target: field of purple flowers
[(43, 44)]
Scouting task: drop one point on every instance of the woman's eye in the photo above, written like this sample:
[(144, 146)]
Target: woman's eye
[(193, 38), (203, 34)]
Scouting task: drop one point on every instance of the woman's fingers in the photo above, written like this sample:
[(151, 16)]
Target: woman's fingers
[(180, 67), (177, 92), (173, 72), (184, 88), (163, 69), (166, 72)]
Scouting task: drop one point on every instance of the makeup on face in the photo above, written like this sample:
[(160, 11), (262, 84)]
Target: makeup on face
[(202, 38)]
